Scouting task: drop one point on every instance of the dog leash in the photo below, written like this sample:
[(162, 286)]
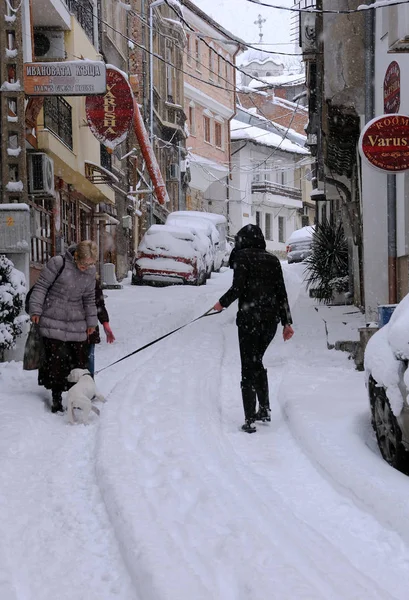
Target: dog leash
[(208, 313)]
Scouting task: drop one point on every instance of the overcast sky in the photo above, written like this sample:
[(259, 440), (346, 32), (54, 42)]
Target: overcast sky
[(238, 17)]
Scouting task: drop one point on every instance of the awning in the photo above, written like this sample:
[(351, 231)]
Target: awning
[(204, 172)]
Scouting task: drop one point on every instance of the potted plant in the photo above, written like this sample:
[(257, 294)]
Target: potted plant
[(327, 266)]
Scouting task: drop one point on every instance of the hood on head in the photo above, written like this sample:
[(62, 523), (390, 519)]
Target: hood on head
[(250, 236)]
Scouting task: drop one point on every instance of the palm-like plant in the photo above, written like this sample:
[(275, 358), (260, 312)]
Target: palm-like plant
[(327, 266)]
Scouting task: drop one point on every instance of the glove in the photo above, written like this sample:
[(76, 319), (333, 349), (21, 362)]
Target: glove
[(108, 332)]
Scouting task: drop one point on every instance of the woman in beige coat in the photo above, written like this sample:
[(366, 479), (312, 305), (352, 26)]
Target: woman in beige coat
[(63, 304)]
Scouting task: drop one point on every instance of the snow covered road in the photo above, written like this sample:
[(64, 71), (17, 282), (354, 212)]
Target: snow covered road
[(164, 498)]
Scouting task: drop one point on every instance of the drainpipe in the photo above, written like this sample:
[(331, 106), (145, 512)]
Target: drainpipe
[(391, 203)]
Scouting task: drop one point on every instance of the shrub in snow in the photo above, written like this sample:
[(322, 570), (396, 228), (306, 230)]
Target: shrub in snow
[(327, 266), (12, 295)]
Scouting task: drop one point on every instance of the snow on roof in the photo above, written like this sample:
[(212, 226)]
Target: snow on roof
[(284, 79), (241, 131)]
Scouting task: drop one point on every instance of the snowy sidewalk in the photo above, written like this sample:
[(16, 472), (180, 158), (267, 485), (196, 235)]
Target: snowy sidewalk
[(324, 399)]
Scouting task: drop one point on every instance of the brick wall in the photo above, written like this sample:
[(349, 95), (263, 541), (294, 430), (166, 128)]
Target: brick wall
[(279, 114)]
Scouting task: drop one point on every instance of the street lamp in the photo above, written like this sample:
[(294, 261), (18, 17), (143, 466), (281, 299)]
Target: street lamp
[(151, 7)]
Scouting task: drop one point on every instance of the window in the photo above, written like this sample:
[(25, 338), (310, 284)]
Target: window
[(258, 218), (58, 118), (219, 67), (192, 124), (218, 135), (189, 48), (281, 229), (197, 53), (170, 72), (206, 127), (211, 64), (268, 232), (83, 11), (227, 72)]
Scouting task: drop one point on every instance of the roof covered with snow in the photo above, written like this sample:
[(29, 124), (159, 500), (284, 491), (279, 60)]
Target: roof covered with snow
[(241, 131)]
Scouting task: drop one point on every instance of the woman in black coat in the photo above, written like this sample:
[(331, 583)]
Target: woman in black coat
[(258, 284)]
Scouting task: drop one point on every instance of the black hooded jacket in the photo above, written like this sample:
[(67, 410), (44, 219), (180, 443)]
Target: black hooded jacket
[(258, 281)]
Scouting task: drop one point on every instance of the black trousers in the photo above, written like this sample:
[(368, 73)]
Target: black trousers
[(60, 358), (254, 339)]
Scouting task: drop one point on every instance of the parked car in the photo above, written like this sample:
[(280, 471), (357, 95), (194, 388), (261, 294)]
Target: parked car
[(387, 377), (299, 244), (169, 255), (205, 230), (219, 221)]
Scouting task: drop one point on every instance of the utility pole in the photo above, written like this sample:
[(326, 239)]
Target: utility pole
[(12, 104)]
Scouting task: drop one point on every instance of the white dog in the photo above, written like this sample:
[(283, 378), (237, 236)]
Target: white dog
[(81, 394)]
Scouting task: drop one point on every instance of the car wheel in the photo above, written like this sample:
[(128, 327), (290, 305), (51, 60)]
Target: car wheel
[(136, 280), (387, 430)]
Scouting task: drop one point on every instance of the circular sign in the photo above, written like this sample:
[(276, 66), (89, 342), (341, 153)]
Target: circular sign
[(391, 88), (109, 116), (384, 142)]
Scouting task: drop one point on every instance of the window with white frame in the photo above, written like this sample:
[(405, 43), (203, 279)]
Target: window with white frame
[(197, 53), (192, 119), (219, 67), (218, 136), (211, 64), (281, 229), (258, 218), (268, 227), (170, 72), (189, 48), (207, 129)]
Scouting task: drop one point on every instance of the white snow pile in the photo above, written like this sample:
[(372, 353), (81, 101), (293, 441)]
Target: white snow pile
[(164, 240)]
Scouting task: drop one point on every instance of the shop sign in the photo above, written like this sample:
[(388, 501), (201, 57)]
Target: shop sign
[(384, 142), (110, 116), (391, 89), (67, 78)]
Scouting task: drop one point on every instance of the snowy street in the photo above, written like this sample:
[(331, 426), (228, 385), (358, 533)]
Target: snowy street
[(162, 497)]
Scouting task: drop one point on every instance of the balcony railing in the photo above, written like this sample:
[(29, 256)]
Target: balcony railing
[(58, 118), (270, 187), (83, 11)]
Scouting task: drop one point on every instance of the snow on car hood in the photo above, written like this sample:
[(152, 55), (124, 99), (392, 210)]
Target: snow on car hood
[(385, 351)]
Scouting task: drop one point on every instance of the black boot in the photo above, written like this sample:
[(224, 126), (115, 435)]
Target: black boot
[(57, 402), (261, 387), (249, 400), (248, 426)]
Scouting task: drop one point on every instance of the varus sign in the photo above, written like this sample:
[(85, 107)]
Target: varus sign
[(384, 142), (67, 78), (110, 116)]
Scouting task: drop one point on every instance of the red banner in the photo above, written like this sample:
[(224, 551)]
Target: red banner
[(109, 116), (391, 88), (384, 142)]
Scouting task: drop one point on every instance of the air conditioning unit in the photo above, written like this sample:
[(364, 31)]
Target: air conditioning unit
[(173, 171), (40, 174), (48, 44)]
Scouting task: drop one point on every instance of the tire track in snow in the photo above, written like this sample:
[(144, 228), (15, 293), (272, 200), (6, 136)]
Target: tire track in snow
[(192, 500)]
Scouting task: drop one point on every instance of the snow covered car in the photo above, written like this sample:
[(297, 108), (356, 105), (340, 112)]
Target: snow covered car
[(218, 221), (205, 231), (299, 244), (169, 255), (387, 379)]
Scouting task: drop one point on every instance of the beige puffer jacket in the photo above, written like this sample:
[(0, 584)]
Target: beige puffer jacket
[(69, 308)]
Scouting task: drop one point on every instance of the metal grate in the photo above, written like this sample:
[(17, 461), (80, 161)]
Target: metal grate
[(84, 13), (58, 118)]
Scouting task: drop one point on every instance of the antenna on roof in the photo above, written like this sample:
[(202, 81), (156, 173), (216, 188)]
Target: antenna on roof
[(260, 22)]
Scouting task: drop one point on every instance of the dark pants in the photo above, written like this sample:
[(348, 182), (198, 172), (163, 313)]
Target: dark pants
[(60, 358), (254, 339)]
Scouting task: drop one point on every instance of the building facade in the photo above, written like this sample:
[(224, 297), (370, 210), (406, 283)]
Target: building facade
[(210, 104)]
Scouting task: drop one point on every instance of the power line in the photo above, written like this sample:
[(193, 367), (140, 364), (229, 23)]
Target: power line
[(312, 9)]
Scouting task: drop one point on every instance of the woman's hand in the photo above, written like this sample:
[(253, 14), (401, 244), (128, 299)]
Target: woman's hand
[(35, 319), (218, 307), (108, 332), (288, 332), (90, 330)]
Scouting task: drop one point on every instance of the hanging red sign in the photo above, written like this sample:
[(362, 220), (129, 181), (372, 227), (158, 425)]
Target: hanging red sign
[(110, 116), (391, 88), (384, 142)]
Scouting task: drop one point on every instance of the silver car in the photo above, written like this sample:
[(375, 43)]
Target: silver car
[(299, 244)]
